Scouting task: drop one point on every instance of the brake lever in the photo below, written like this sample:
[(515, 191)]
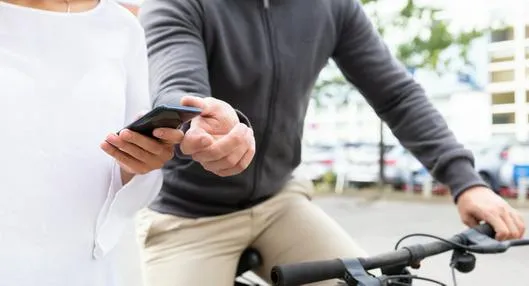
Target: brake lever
[(355, 274), (481, 243)]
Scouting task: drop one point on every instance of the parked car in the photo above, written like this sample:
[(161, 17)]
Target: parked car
[(514, 166), (316, 160), (489, 159), (419, 179), (399, 164), (363, 166)]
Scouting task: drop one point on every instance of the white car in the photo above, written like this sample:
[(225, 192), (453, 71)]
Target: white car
[(363, 166), (316, 160), (515, 166)]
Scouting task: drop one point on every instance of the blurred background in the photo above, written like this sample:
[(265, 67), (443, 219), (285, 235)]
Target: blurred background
[(472, 58)]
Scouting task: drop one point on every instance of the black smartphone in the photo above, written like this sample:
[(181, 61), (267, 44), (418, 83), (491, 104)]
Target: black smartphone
[(163, 116)]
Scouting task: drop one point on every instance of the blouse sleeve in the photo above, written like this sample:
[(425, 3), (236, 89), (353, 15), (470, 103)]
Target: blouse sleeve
[(123, 201)]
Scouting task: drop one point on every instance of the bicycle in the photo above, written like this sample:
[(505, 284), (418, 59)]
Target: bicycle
[(395, 265), (249, 260)]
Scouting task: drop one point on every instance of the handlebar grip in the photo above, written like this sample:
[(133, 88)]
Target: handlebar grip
[(307, 272), (485, 229)]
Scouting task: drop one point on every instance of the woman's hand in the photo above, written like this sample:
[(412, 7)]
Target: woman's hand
[(138, 154)]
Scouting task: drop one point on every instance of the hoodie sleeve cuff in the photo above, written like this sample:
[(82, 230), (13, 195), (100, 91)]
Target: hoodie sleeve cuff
[(459, 176)]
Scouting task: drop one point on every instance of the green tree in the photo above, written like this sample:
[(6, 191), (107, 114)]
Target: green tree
[(425, 48)]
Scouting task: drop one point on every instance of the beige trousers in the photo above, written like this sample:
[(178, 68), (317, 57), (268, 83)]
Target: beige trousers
[(287, 228)]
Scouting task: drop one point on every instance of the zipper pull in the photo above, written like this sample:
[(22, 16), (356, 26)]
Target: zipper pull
[(266, 4)]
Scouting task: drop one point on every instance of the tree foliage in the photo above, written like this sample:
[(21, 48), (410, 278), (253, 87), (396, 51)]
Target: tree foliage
[(424, 50)]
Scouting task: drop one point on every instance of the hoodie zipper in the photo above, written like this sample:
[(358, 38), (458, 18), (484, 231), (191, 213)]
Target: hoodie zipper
[(273, 95)]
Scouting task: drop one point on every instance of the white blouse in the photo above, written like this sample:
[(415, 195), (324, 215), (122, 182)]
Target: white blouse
[(66, 81)]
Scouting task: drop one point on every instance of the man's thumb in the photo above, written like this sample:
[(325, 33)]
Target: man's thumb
[(193, 101)]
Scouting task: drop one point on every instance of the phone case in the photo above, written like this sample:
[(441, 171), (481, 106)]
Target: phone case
[(163, 117)]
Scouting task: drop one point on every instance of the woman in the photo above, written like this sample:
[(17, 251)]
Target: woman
[(71, 73)]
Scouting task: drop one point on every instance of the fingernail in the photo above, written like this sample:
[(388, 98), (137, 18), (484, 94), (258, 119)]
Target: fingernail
[(204, 141), (159, 133)]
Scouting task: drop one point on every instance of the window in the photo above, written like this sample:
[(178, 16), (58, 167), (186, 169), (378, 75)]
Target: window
[(503, 98), (502, 76), (502, 35), (503, 118), (503, 55)]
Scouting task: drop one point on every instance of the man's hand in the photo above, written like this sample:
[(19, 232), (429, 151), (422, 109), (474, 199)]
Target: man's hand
[(216, 139), (138, 154), (482, 204)]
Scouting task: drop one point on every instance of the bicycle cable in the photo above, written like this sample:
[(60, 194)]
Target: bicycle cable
[(411, 277), (455, 244), (454, 280)]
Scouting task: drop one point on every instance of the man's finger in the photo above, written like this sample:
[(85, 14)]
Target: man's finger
[(511, 225), (241, 166), (247, 157), (195, 140), (519, 222), (194, 101), (469, 220), (499, 226), (226, 145), (169, 135), (230, 161)]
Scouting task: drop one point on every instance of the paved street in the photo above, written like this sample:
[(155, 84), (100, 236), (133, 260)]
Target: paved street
[(379, 225)]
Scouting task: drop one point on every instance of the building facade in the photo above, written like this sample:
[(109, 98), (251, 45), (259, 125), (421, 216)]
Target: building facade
[(508, 70), (332, 121)]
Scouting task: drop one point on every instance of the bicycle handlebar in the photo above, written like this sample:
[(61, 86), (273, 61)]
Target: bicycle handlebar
[(309, 272)]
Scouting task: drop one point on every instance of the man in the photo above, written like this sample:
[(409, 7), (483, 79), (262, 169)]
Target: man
[(251, 65)]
